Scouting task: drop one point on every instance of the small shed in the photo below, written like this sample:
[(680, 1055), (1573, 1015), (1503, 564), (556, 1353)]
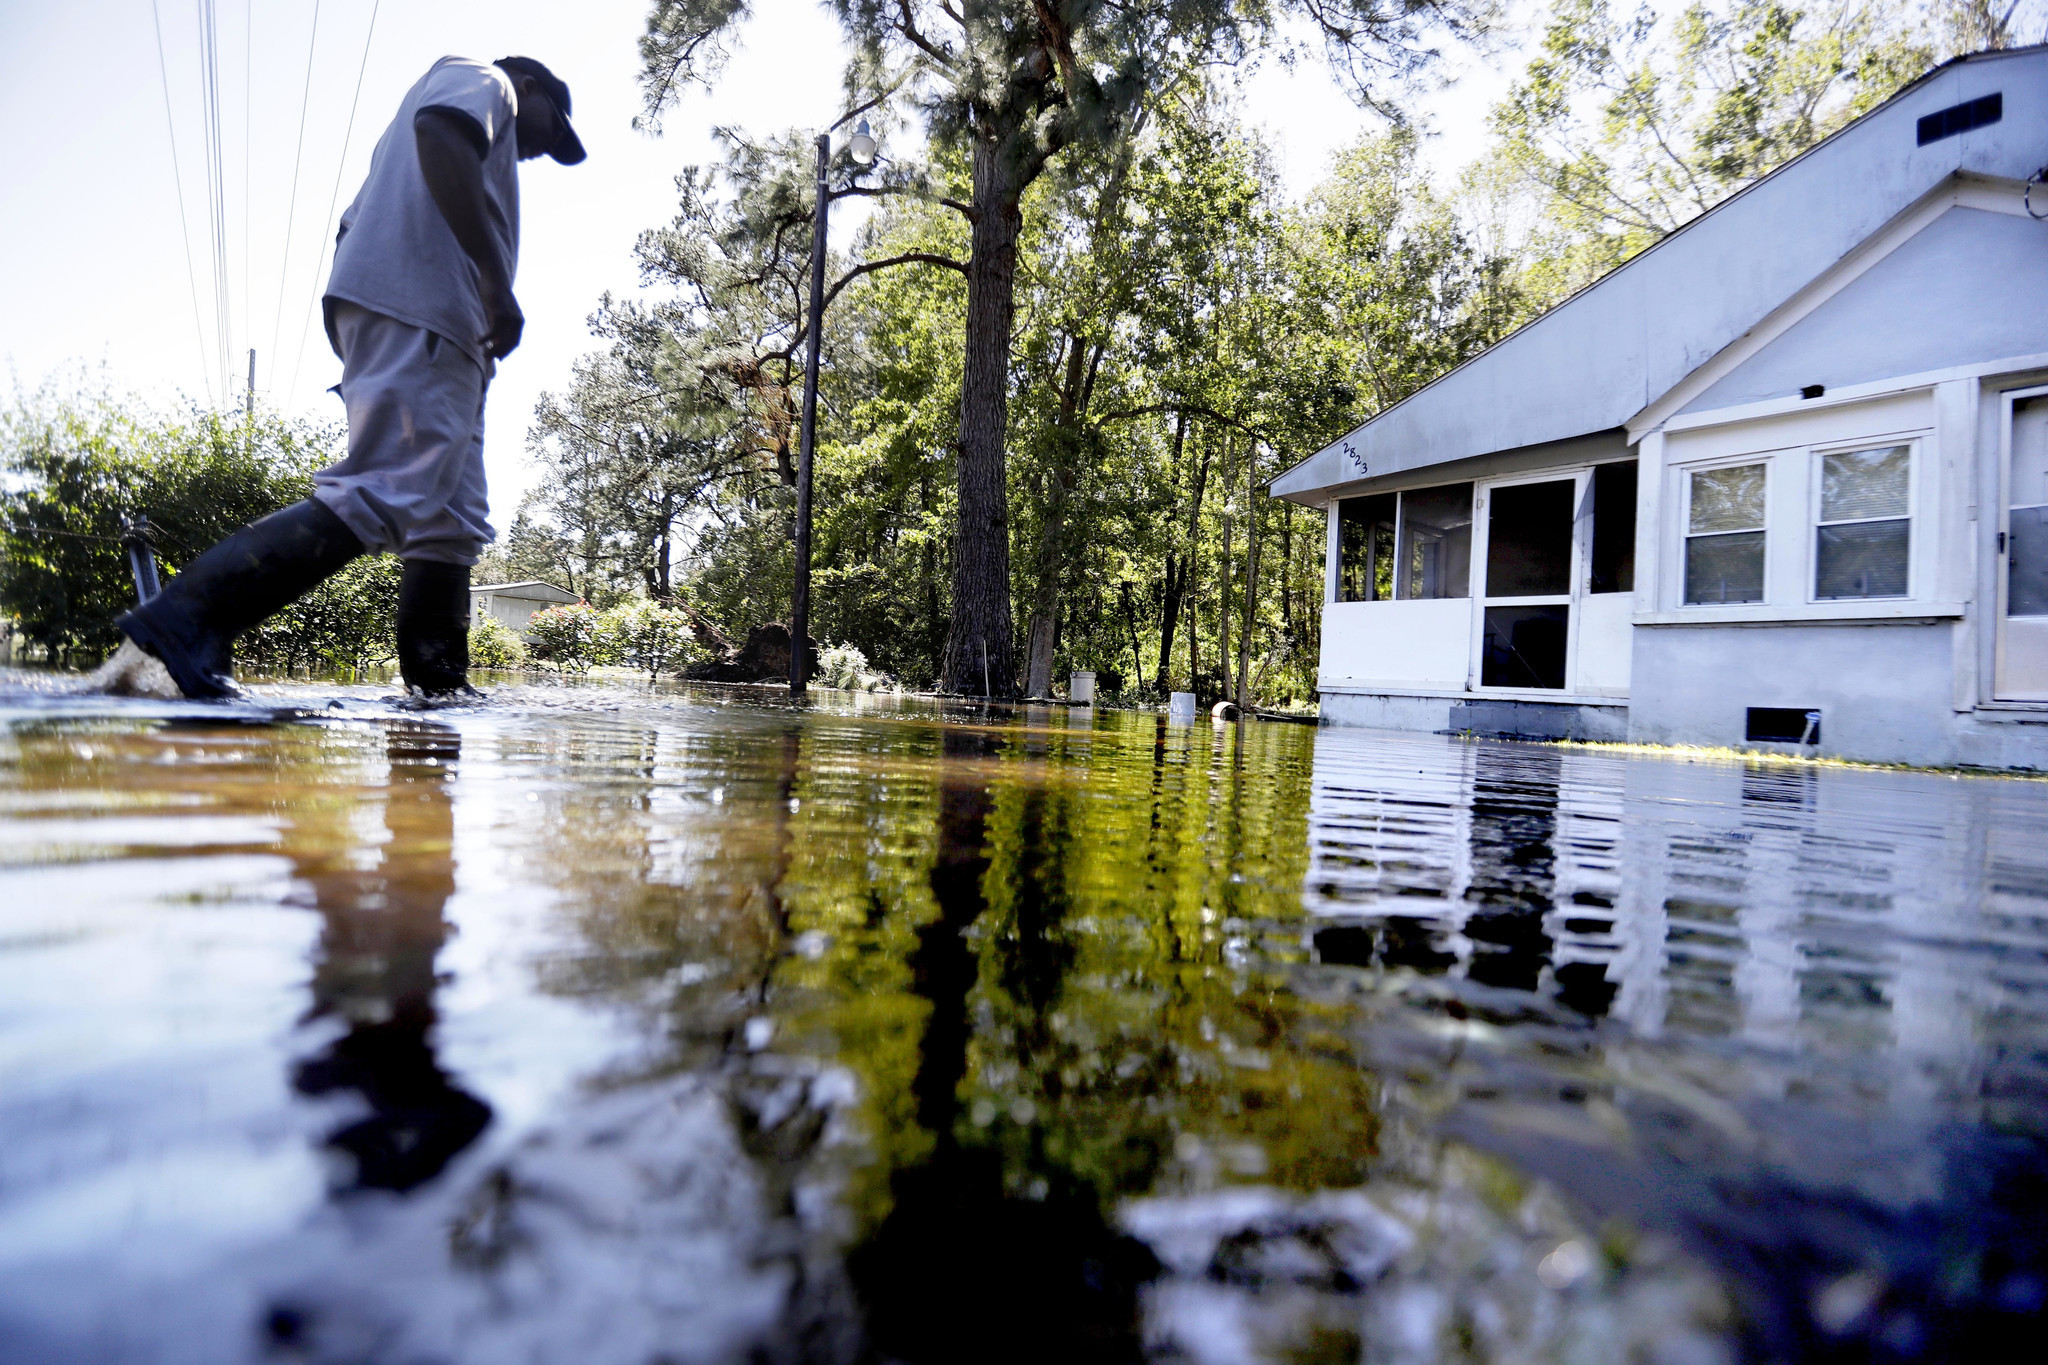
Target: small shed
[(512, 605), (1780, 479)]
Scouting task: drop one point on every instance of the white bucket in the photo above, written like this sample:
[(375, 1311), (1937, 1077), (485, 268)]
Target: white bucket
[(1081, 689), (1180, 707)]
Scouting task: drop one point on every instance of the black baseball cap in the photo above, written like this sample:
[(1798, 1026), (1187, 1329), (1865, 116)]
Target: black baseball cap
[(568, 148)]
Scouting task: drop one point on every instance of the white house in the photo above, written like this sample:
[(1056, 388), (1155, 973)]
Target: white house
[(512, 605), (1782, 478)]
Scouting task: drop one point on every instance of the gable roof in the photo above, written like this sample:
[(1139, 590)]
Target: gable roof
[(1609, 351), (527, 589)]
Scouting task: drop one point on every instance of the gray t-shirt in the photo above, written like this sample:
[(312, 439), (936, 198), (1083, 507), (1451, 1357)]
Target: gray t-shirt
[(397, 254)]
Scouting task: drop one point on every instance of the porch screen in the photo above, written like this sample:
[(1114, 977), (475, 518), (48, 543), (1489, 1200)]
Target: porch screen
[(1436, 542), (1724, 543), (1365, 548)]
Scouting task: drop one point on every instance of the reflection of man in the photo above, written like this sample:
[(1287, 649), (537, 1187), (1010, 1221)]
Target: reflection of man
[(376, 973), (420, 309)]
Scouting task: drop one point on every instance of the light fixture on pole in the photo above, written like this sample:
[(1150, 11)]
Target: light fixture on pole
[(861, 148)]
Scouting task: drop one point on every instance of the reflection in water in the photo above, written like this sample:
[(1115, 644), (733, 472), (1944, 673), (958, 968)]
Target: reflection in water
[(381, 929), (1820, 985), (1051, 1034), (1027, 1275)]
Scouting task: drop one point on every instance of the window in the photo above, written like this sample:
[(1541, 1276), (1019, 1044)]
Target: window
[(1861, 540), (1431, 528), (1614, 527), (1365, 549), (1724, 543), (1436, 542)]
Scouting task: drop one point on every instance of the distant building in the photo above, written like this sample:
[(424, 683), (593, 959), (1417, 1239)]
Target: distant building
[(512, 605), (1782, 478)]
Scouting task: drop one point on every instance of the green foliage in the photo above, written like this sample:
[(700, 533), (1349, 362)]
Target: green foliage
[(73, 466), (846, 668), (493, 646), (566, 638), (645, 635), (344, 628), (1629, 126)]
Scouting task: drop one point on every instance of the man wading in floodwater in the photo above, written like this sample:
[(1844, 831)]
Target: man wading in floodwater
[(420, 310)]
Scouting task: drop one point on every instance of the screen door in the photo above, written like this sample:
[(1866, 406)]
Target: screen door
[(2022, 666), (1531, 558)]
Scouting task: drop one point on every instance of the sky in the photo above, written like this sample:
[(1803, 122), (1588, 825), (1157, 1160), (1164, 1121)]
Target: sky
[(100, 282)]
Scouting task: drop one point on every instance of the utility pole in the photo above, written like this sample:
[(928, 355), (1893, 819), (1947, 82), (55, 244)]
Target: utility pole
[(800, 605)]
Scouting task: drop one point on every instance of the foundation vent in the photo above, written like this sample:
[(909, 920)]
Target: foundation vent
[(1783, 725)]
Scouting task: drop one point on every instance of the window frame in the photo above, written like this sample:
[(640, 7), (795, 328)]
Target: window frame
[(1686, 535), (1816, 465)]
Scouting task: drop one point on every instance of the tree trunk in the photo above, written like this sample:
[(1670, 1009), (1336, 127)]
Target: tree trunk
[(1050, 566), (1223, 602), (1251, 581), (1180, 587), (978, 648)]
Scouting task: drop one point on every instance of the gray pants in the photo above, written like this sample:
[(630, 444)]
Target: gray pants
[(413, 482)]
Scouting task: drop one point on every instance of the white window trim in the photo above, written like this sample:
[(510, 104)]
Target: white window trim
[(1816, 461), (1686, 534)]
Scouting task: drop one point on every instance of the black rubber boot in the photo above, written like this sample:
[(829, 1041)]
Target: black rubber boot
[(256, 572), (433, 629)]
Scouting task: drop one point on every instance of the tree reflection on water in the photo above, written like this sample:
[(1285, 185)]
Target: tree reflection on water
[(1028, 1034)]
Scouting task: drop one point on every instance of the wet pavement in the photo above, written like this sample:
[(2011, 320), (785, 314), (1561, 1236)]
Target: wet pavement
[(600, 1026)]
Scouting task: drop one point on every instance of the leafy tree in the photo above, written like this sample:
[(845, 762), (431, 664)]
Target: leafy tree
[(1002, 87), (1633, 125)]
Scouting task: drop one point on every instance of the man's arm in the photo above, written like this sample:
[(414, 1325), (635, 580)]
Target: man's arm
[(453, 165)]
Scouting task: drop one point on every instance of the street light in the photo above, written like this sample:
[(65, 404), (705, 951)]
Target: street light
[(861, 147)]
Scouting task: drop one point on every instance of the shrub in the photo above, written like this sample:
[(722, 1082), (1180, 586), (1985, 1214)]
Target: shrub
[(647, 636), (565, 638), (845, 667), (492, 645), (340, 629)]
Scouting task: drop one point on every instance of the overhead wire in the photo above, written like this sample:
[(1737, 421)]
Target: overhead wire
[(216, 176), (291, 209), (248, 122), (335, 197), (178, 178)]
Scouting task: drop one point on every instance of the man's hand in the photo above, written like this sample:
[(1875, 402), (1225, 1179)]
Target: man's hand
[(451, 150), (506, 322)]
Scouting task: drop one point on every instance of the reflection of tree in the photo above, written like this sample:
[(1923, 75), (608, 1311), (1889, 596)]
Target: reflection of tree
[(963, 1256), (375, 972)]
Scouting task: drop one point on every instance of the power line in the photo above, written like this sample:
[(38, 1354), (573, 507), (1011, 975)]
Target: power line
[(216, 177), (335, 196), (291, 209), (178, 177), (248, 122)]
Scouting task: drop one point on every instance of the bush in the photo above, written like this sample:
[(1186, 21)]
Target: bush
[(647, 636), (566, 638), (73, 465), (491, 645), (340, 629), (845, 667)]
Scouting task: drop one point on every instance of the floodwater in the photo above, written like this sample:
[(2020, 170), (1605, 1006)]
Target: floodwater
[(599, 1026)]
